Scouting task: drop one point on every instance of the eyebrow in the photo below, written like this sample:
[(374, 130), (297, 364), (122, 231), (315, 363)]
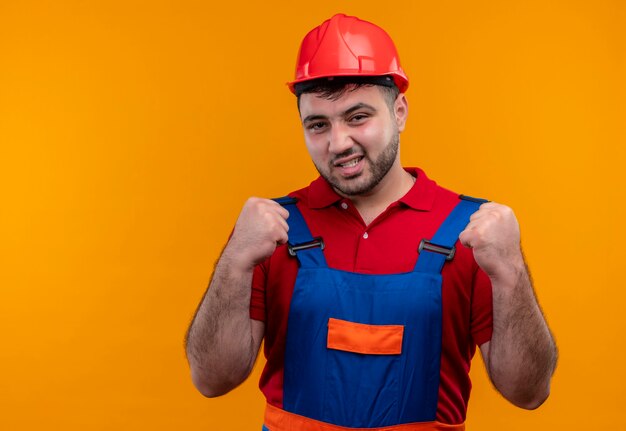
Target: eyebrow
[(345, 113)]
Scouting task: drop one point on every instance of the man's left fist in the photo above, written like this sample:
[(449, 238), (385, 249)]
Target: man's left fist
[(493, 234)]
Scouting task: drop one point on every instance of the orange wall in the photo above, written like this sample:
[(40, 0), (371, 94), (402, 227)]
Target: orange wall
[(132, 132)]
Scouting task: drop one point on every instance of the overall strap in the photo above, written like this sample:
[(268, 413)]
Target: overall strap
[(301, 243), (434, 253)]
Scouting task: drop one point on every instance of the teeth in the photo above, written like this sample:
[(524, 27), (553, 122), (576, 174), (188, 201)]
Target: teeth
[(351, 163)]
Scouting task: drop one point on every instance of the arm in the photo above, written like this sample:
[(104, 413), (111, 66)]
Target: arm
[(222, 341), (521, 356)]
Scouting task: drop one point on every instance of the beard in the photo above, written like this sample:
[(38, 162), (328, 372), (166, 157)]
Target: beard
[(366, 181)]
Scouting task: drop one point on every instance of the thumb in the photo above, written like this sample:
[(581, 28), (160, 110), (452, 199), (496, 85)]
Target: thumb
[(467, 237), (283, 239)]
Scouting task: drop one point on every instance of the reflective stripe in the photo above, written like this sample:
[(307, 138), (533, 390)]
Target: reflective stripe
[(366, 339), (279, 420)]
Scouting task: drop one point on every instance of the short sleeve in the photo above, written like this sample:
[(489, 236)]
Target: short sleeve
[(257, 297), (482, 307)]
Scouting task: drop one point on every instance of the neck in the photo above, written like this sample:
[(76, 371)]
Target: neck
[(393, 186)]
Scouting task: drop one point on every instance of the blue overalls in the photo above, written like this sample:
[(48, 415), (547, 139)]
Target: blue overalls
[(364, 350)]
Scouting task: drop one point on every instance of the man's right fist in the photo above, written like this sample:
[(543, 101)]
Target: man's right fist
[(262, 224)]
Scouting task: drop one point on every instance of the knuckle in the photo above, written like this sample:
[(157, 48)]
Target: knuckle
[(252, 200), (268, 217)]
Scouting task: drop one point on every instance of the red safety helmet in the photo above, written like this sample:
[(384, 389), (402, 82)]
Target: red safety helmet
[(348, 46)]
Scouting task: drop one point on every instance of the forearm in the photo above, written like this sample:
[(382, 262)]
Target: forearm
[(223, 341), (220, 345), (522, 354)]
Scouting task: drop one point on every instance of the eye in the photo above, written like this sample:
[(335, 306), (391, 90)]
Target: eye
[(358, 118), (317, 126)]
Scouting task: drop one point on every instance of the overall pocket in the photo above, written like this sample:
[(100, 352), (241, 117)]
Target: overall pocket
[(362, 387)]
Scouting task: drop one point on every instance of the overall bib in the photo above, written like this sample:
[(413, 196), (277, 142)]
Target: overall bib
[(363, 351)]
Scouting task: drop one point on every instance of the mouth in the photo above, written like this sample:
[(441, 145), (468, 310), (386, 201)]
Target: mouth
[(350, 163), (349, 167)]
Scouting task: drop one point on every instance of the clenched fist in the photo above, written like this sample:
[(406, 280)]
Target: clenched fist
[(260, 227), (493, 234)]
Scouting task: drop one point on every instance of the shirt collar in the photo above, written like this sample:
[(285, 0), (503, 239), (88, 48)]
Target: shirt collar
[(420, 197), (321, 194)]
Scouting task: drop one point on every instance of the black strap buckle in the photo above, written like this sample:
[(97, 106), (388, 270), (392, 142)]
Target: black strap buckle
[(316, 242), (429, 246), (473, 199), (286, 200)]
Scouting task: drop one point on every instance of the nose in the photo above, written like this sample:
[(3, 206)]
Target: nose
[(339, 139)]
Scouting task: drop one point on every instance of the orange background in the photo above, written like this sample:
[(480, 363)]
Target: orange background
[(132, 132)]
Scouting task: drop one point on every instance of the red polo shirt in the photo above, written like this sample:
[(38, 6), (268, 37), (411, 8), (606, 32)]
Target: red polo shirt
[(388, 245)]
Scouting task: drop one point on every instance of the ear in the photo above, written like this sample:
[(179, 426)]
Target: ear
[(401, 111)]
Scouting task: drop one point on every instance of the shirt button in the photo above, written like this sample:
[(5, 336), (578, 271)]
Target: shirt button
[(344, 205), (365, 235)]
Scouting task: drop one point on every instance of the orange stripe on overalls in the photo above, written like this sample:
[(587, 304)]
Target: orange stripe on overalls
[(280, 420)]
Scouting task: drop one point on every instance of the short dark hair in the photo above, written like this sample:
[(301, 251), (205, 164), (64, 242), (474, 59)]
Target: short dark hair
[(335, 87)]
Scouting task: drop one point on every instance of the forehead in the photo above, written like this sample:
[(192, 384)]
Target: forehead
[(314, 104)]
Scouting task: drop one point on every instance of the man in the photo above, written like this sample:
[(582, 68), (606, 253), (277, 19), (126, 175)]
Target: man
[(372, 286)]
